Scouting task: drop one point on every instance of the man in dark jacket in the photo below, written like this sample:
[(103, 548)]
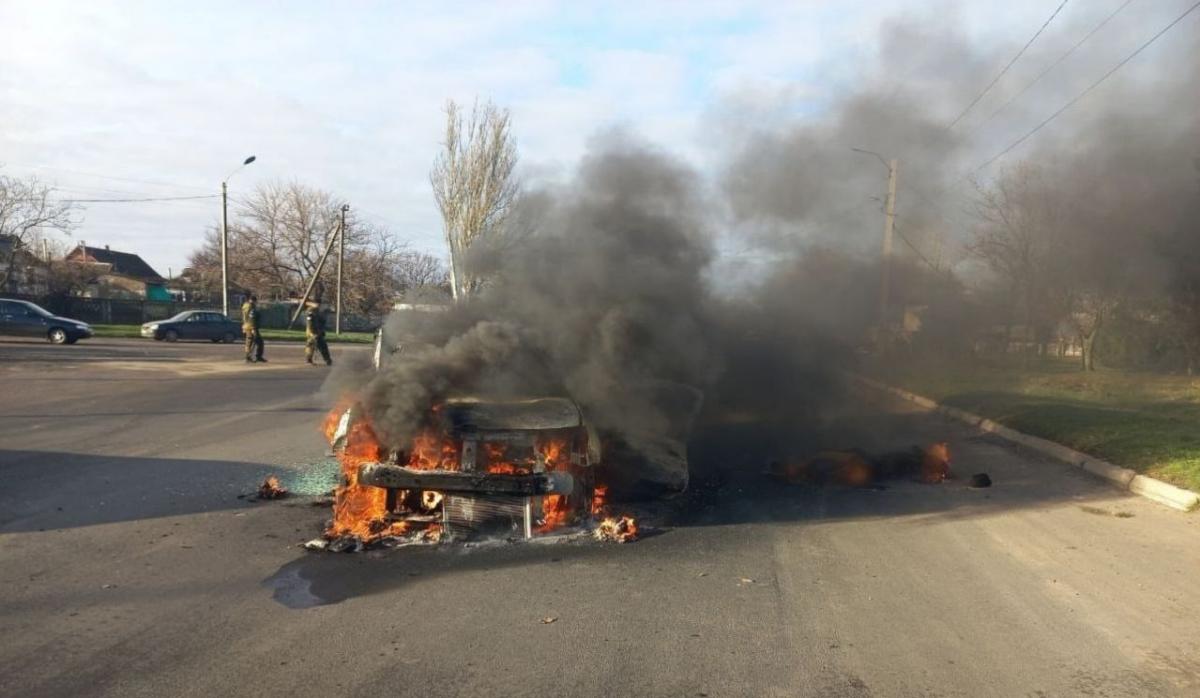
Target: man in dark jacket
[(250, 327), (314, 333)]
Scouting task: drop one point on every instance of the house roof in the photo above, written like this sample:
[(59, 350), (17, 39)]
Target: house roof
[(123, 263)]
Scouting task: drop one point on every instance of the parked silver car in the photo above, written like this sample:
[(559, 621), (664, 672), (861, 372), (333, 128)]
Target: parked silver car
[(194, 324)]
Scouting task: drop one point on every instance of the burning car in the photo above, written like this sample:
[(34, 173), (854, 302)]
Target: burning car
[(513, 467), (483, 467)]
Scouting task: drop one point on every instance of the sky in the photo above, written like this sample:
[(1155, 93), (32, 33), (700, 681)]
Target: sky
[(153, 99)]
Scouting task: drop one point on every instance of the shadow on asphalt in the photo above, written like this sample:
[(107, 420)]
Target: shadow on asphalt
[(320, 579), (67, 490), (156, 412)]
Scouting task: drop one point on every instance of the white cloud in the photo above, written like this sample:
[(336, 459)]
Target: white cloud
[(348, 97)]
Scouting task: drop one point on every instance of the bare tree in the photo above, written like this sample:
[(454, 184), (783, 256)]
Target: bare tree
[(420, 270), (277, 237), (26, 212), (383, 269), (474, 181), (1018, 236)]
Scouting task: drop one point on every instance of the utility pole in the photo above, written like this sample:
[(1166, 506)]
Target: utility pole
[(225, 235), (224, 249), (889, 223), (313, 281), (337, 322)]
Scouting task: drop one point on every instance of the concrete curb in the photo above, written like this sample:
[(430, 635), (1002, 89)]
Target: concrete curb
[(1124, 478)]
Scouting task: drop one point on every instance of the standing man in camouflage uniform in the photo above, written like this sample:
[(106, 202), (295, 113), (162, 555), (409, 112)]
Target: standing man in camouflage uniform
[(314, 333), (250, 323)]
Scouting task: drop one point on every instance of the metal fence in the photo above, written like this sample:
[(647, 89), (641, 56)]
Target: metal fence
[(122, 311)]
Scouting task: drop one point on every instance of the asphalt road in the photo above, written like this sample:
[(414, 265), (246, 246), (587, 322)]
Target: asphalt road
[(128, 565)]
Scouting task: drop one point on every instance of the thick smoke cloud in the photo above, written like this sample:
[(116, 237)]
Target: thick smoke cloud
[(602, 299), (611, 284)]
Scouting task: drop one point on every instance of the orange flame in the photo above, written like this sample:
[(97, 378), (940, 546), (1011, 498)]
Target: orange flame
[(361, 510), (271, 489), (330, 425), (617, 529), (556, 510), (600, 500)]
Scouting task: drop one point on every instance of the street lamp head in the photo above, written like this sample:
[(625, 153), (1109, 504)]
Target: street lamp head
[(878, 157), (245, 162)]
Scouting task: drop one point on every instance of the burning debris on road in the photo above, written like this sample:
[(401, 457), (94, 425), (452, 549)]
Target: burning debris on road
[(854, 468), (617, 530), (271, 489)]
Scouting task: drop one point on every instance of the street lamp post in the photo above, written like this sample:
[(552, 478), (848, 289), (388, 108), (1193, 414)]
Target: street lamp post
[(225, 236), (889, 223)]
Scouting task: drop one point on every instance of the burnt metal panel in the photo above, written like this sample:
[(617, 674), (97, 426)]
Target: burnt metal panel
[(399, 477), (468, 516), (471, 415)]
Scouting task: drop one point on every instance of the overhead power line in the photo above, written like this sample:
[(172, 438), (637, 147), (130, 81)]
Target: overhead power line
[(1085, 92), (111, 177), (128, 201), (1006, 67), (1056, 63), (916, 251)]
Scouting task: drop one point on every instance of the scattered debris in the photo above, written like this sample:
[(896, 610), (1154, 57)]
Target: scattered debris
[(108, 586), (316, 544), (345, 544), (549, 619), (1105, 512), (979, 480), (271, 489), (745, 580), (617, 530)]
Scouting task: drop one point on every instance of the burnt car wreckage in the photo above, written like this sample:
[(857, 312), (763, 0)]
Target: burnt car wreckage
[(515, 468)]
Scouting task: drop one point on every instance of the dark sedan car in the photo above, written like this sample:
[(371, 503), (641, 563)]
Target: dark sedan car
[(194, 324), (25, 319)]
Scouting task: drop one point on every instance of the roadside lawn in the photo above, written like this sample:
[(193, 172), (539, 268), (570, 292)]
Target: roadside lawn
[(1144, 421), (134, 331)]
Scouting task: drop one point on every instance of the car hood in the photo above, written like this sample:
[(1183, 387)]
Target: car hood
[(59, 318)]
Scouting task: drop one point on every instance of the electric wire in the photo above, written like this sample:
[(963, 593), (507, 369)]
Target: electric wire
[(1054, 64), (128, 201), (1085, 92), (1006, 67)]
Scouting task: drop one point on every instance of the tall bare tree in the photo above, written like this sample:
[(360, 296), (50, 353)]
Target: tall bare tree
[(27, 211), (474, 181)]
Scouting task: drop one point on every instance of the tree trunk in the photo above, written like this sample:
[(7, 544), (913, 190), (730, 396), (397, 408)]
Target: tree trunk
[(1089, 353), (1029, 341)]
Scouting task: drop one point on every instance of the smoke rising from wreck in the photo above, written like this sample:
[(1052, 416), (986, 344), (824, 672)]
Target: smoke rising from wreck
[(615, 283)]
